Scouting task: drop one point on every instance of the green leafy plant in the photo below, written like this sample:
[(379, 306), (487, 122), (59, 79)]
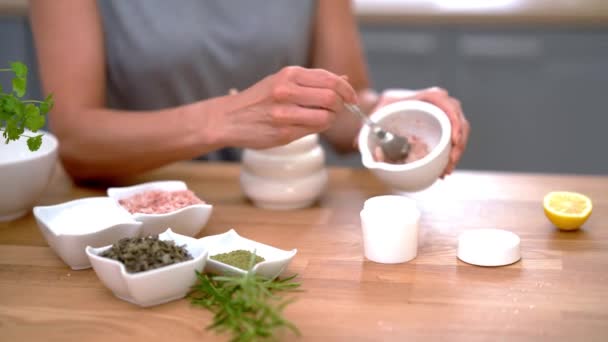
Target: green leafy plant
[(18, 114), (247, 306)]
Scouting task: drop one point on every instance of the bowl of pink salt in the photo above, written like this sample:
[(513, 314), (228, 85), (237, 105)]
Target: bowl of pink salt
[(164, 204), (428, 130)]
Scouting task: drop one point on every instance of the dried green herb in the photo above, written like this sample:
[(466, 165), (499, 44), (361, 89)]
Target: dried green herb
[(247, 306), (146, 253), (238, 258)]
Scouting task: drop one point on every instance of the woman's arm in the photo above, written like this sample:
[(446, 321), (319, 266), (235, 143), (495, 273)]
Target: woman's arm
[(97, 142)]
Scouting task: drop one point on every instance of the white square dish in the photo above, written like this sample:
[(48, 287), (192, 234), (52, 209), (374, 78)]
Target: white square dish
[(275, 260), (71, 226), (189, 220), (156, 286)]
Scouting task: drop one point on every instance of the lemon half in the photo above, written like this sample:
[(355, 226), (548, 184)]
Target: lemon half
[(567, 210)]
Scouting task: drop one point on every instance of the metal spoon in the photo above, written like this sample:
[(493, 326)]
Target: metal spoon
[(394, 147)]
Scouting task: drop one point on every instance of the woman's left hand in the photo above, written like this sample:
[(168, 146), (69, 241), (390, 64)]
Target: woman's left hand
[(450, 105)]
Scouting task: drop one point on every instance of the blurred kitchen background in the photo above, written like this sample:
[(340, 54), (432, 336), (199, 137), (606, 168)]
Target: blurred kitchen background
[(532, 74)]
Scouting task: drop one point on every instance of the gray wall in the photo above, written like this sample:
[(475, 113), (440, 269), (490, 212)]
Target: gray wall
[(16, 39), (536, 97)]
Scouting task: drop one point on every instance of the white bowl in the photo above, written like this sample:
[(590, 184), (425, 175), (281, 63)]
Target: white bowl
[(275, 260), (156, 286), (422, 119), (25, 174), (296, 147), (189, 220), (284, 194), (286, 177), (71, 226), (281, 166)]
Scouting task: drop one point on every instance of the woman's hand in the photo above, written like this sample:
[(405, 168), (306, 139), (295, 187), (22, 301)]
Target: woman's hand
[(450, 105), (283, 107)]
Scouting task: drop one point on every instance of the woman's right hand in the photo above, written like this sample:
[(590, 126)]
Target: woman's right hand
[(283, 107)]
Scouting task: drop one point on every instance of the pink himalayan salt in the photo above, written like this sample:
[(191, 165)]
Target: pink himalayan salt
[(159, 202), (418, 150)]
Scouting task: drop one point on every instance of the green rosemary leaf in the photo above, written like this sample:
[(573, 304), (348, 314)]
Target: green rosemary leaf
[(248, 306)]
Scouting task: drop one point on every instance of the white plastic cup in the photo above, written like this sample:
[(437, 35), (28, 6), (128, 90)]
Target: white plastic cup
[(390, 229)]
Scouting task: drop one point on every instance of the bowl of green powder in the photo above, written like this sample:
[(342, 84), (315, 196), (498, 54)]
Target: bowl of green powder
[(230, 253)]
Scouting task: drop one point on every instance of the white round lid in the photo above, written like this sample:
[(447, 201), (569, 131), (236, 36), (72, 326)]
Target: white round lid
[(489, 247)]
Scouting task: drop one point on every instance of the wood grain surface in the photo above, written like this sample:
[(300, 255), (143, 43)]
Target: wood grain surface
[(557, 292)]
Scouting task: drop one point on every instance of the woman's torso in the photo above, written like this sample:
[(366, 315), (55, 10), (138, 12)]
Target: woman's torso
[(162, 54)]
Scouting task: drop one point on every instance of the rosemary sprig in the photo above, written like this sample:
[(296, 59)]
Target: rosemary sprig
[(247, 306)]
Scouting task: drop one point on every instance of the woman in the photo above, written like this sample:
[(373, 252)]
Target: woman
[(142, 83)]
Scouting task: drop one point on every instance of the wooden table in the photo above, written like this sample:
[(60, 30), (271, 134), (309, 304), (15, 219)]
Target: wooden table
[(558, 291)]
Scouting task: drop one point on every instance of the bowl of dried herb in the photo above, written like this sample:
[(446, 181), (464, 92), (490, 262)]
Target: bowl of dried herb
[(230, 253), (149, 270)]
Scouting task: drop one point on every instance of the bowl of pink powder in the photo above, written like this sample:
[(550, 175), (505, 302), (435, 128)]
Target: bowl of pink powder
[(428, 130), (164, 204)]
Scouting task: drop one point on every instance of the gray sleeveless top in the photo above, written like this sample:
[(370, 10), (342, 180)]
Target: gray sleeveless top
[(163, 53)]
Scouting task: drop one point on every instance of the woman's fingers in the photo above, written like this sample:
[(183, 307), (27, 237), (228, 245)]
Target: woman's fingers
[(459, 148), (285, 106), (460, 142), (309, 97), (316, 119), (460, 126), (440, 98), (319, 78)]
